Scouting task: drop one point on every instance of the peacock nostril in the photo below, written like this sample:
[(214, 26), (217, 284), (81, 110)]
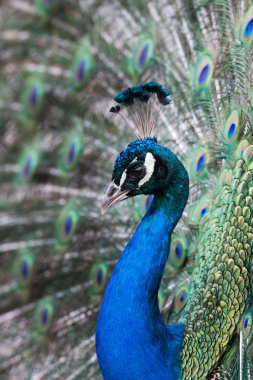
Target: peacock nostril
[(112, 191)]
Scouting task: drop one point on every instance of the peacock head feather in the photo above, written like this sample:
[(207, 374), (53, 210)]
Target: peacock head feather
[(144, 167)]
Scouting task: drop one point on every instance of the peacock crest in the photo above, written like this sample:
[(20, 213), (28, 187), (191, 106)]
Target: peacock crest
[(143, 105)]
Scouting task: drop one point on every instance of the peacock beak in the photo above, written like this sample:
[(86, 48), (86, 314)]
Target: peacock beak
[(113, 196)]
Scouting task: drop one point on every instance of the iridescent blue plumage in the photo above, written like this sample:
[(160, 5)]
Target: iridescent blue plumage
[(132, 339)]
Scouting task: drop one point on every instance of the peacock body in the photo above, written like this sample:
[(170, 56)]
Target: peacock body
[(61, 63)]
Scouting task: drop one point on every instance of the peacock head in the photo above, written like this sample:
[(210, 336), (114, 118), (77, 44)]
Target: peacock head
[(144, 167)]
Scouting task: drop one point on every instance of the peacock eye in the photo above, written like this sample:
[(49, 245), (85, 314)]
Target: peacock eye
[(137, 171), (162, 171)]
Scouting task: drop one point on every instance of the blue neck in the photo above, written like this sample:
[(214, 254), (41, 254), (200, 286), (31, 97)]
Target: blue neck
[(132, 340)]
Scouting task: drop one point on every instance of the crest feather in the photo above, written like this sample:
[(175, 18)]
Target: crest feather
[(142, 104)]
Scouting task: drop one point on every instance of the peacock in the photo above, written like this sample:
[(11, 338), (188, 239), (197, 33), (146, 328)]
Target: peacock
[(177, 303), (130, 331)]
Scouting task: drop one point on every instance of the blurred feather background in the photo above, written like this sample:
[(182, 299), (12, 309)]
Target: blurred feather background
[(61, 63)]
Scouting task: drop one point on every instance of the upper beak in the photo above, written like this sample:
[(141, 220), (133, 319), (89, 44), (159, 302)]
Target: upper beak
[(113, 196)]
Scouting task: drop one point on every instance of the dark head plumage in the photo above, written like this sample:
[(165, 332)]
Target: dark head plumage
[(144, 167), (136, 149)]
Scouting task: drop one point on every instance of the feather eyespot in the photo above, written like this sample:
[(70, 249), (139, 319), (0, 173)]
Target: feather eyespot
[(71, 153), (33, 96), (82, 66), (80, 71), (44, 316), (27, 167), (67, 228), (203, 209), (143, 55), (191, 260), (27, 164), (246, 324), (66, 224), (178, 252), (99, 276), (198, 162), (203, 72), (201, 161), (246, 31), (240, 151), (231, 127), (24, 270), (231, 130), (181, 299), (248, 154), (71, 150)]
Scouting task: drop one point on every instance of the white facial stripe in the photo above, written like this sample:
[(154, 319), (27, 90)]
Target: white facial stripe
[(123, 178), (150, 165), (124, 174)]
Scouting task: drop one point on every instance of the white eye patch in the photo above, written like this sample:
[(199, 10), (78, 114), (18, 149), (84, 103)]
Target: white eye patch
[(124, 174), (150, 166), (123, 177)]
